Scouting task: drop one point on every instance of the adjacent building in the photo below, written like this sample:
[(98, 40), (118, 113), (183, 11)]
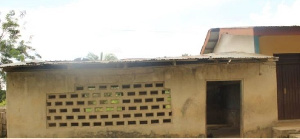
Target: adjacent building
[(279, 41)]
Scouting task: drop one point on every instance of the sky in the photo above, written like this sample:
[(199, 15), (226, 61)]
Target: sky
[(68, 29)]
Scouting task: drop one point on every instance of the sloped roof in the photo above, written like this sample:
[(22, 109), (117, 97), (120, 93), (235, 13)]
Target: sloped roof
[(204, 58)]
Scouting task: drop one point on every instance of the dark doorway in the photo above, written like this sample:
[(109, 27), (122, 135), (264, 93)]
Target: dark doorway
[(223, 109), (288, 86)]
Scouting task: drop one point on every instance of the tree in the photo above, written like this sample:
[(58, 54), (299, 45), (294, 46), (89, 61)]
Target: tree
[(92, 56), (185, 55), (108, 57), (12, 46), (2, 97)]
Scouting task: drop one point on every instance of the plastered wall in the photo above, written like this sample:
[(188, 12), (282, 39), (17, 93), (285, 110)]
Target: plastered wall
[(26, 99), (235, 43), (270, 45)]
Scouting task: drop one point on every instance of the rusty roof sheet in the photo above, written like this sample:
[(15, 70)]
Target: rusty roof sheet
[(210, 56), (277, 30), (261, 27)]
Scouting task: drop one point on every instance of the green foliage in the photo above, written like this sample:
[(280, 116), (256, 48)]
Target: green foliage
[(88, 110), (184, 55), (2, 95), (114, 101), (109, 108), (118, 94), (12, 46), (98, 109), (119, 109), (93, 57), (110, 57), (3, 103)]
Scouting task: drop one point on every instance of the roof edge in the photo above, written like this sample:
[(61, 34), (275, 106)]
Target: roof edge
[(204, 58), (208, 35)]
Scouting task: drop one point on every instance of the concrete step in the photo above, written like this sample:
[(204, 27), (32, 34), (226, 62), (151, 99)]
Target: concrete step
[(294, 136), (285, 128), (284, 132)]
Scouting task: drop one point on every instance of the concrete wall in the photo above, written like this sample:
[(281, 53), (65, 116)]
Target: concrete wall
[(270, 45), (26, 99), (235, 43)]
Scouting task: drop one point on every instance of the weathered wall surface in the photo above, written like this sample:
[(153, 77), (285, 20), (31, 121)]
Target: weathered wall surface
[(26, 107), (235, 43), (270, 45)]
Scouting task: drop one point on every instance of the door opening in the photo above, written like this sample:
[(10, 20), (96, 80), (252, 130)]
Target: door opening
[(223, 109)]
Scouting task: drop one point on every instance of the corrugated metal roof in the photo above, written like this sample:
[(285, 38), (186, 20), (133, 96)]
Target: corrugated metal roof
[(210, 56), (277, 30), (241, 27)]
